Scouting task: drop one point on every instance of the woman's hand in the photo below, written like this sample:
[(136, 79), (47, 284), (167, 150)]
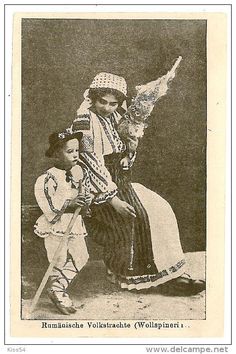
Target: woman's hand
[(122, 207)]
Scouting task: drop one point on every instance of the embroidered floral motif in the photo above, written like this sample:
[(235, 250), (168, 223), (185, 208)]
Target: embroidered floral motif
[(103, 197), (82, 122), (60, 212), (150, 278), (96, 170), (177, 266), (49, 199), (111, 133)]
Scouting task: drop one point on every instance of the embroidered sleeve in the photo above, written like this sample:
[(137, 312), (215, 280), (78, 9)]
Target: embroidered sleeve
[(101, 184), (50, 202), (104, 197), (86, 181), (100, 178), (91, 188), (82, 123), (91, 191)]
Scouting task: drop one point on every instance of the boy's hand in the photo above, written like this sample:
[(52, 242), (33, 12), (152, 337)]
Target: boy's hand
[(88, 199), (80, 200)]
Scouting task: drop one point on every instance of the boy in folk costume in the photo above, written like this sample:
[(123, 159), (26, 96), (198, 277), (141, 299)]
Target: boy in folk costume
[(59, 191)]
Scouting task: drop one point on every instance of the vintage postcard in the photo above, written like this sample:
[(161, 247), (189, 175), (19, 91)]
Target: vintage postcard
[(118, 166)]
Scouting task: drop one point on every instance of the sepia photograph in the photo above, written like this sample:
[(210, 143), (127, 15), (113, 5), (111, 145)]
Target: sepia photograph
[(119, 149), (116, 174)]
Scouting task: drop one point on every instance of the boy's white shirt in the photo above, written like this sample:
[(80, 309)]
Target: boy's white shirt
[(53, 194)]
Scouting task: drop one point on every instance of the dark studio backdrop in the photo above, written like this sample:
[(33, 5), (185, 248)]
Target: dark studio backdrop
[(59, 60)]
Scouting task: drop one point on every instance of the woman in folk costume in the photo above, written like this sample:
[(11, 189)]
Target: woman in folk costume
[(136, 226)]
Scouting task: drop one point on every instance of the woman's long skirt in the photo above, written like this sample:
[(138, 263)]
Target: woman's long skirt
[(139, 252)]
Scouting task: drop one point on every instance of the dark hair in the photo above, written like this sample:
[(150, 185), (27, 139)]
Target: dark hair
[(97, 93), (59, 146)]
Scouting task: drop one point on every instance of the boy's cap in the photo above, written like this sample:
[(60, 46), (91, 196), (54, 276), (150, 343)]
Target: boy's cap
[(56, 138)]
